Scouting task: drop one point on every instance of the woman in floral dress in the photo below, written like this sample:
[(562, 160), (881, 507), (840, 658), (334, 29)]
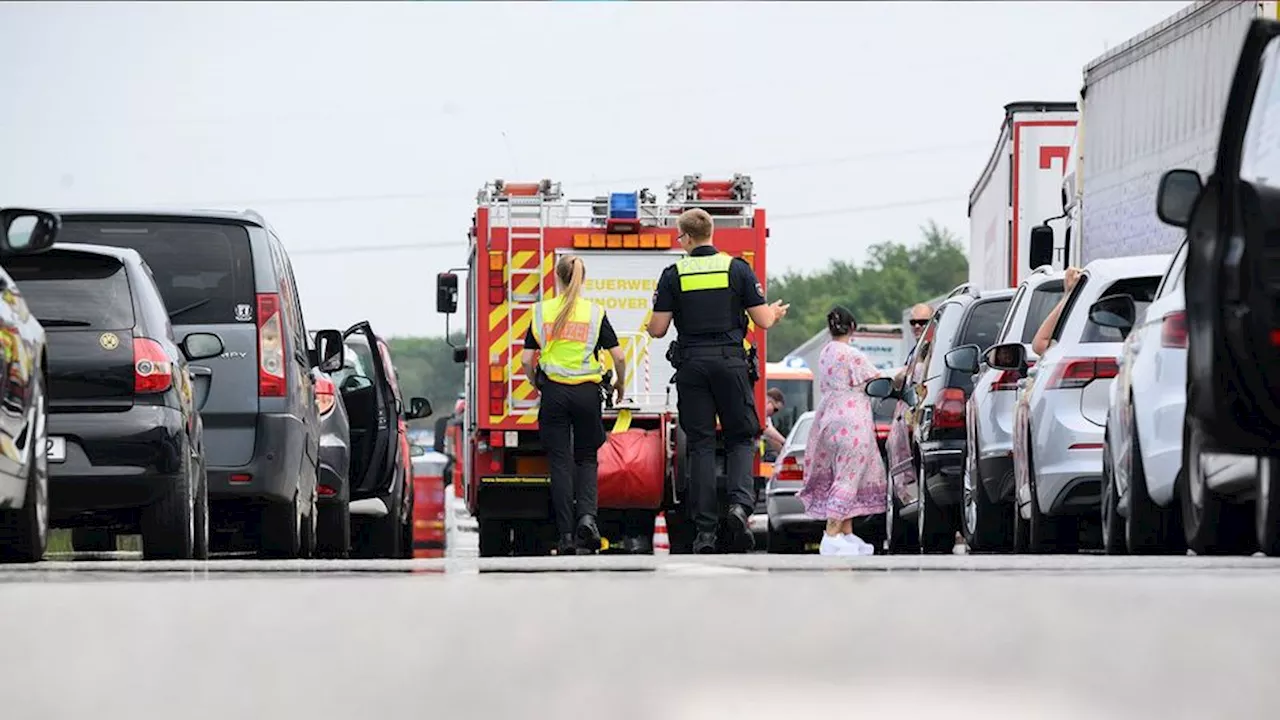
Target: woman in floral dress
[(844, 475)]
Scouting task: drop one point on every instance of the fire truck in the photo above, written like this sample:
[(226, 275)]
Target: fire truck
[(518, 232)]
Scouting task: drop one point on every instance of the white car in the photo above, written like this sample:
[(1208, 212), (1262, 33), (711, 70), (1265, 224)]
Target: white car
[(986, 518), (1061, 411), (1143, 460)]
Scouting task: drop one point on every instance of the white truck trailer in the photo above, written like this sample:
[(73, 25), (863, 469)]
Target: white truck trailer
[(1149, 105), (1019, 189)]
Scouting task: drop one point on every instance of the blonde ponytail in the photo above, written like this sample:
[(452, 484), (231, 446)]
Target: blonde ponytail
[(570, 271)]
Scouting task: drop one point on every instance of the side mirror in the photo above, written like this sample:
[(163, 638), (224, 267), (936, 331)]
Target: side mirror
[(460, 354), (1040, 250), (1114, 311), (879, 388), (27, 231), (419, 408), (442, 429), (330, 351), (1009, 356), (201, 346), (446, 293), (963, 359), (1176, 196)]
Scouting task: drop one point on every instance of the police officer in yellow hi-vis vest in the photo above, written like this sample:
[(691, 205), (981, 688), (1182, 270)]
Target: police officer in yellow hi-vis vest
[(567, 332), (709, 296)]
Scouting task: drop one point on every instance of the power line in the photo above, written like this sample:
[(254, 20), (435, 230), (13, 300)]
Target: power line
[(427, 196), (853, 210)]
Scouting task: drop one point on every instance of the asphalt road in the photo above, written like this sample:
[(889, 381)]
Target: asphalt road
[(951, 637)]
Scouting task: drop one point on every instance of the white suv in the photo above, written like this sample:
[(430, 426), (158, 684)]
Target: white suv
[(1061, 411)]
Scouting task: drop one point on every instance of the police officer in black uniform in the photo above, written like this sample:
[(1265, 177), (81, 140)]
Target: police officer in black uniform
[(709, 296)]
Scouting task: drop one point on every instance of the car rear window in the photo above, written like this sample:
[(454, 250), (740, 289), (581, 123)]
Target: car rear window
[(204, 270), (1043, 298), (983, 327), (74, 290), (1142, 290), (936, 348)]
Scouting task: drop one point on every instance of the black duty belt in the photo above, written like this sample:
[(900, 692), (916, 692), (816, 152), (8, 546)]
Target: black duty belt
[(724, 351)]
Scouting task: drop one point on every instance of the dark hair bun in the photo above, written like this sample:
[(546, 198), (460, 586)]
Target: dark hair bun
[(840, 321)]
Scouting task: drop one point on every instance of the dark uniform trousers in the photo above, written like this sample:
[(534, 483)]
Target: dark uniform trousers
[(712, 381), (569, 417)]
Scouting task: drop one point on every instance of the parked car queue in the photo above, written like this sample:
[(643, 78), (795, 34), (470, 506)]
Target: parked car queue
[(161, 381)]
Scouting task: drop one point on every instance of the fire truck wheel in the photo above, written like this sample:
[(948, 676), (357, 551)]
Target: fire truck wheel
[(495, 538), (679, 531)]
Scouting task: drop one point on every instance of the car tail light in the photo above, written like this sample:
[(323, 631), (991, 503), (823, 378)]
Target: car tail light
[(790, 469), (325, 491), (1075, 373), (948, 413), (1173, 330), (882, 431), (271, 381), (152, 370), (325, 396), (1008, 379)]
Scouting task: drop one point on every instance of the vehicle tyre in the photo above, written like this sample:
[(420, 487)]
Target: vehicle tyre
[(307, 544), (898, 535), (94, 540), (1146, 531), (333, 527), (282, 529), (780, 543), (680, 531), (1046, 534), (406, 524), (1112, 542), (24, 531), (386, 534), (169, 524), (495, 538), (200, 551), (1267, 510), (936, 534), (1210, 525), (986, 525)]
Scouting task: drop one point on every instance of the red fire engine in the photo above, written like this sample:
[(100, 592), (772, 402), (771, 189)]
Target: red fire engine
[(518, 232)]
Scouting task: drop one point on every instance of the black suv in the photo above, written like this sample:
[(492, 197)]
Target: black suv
[(126, 444), (925, 478)]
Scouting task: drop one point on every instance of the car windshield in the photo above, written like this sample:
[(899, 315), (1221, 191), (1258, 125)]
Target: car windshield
[(799, 400), (1043, 299), (357, 365), (800, 433)]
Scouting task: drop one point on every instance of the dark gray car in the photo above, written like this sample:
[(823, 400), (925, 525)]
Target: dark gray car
[(228, 273)]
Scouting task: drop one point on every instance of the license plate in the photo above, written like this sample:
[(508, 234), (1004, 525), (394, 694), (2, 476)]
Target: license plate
[(56, 450)]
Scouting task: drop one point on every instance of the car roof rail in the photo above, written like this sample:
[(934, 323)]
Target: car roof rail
[(963, 289), (1043, 270)]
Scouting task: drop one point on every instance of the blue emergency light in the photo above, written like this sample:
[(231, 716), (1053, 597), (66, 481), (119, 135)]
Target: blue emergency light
[(796, 362), (624, 206)]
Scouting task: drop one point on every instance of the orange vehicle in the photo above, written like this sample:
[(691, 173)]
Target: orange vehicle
[(795, 380), (627, 239)]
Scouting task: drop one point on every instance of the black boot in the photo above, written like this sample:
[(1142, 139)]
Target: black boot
[(740, 538), (568, 545), (588, 534), (704, 544)]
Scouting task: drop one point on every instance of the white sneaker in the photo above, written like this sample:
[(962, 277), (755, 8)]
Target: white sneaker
[(862, 546), (833, 545)]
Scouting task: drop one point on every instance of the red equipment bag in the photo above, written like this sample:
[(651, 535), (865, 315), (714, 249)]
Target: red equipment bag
[(632, 470)]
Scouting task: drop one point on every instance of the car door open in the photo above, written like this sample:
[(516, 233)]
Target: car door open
[(371, 411)]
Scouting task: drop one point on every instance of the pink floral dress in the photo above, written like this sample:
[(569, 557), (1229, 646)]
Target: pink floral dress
[(844, 475)]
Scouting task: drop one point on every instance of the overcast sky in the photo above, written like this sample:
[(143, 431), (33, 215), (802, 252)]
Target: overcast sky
[(369, 125)]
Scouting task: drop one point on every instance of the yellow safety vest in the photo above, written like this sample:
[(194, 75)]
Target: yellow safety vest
[(569, 359)]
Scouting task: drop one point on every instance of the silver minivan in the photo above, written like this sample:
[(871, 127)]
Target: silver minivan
[(228, 273)]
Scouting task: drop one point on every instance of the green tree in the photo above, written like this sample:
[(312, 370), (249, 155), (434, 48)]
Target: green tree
[(894, 277), (426, 369)]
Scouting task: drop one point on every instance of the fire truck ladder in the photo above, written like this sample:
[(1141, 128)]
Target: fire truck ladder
[(527, 218)]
